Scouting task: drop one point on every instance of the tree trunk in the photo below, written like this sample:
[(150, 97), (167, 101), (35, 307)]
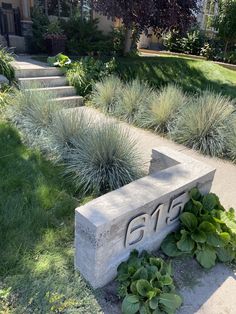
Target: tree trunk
[(128, 40)]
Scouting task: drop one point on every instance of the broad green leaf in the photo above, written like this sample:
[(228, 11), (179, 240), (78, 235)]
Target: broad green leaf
[(185, 244), (170, 302), (143, 287), (191, 208), (206, 257), (227, 219), (169, 246), (141, 273), (189, 221), (144, 309), (151, 294), (158, 262), (153, 303), (210, 201), (166, 280), (225, 254), (133, 287), (207, 227), (195, 194), (158, 311), (130, 304), (199, 236), (218, 240)]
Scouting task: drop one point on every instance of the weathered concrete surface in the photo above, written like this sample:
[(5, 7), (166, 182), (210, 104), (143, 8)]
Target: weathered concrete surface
[(136, 216)]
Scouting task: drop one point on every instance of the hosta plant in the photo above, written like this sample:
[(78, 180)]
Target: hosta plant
[(207, 231), (146, 285)]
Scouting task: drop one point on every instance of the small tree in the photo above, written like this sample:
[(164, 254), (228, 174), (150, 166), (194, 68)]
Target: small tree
[(226, 23), (140, 15)]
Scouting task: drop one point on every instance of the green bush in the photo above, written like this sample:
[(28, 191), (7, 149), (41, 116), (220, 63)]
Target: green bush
[(39, 29), (207, 231), (106, 92), (145, 282), (192, 42), (172, 41), (84, 73), (83, 36), (202, 124), (6, 68), (133, 100), (163, 107), (103, 160)]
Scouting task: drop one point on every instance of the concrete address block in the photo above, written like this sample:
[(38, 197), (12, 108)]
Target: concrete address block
[(136, 216)]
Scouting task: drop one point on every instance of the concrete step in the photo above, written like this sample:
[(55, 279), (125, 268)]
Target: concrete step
[(57, 92), (44, 81), (70, 102), (37, 72)]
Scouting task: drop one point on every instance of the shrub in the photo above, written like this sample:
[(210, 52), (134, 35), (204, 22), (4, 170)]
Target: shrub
[(172, 41), (163, 108), (6, 68), (133, 100), (39, 28), (202, 124), (105, 93), (104, 160), (207, 231), (192, 42), (146, 284), (84, 73)]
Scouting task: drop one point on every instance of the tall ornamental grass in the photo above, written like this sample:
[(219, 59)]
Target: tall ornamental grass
[(133, 100), (103, 160), (202, 124), (231, 139), (163, 108), (6, 68), (106, 92)]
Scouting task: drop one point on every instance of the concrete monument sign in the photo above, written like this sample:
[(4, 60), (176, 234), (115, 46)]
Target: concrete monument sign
[(136, 216)]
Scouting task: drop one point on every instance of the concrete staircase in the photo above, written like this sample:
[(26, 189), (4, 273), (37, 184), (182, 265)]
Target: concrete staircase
[(40, 77)]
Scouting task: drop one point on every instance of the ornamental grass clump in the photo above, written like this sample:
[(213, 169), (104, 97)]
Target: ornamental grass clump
[(231, 139), (32, 111), (103, 160), (133, 100), (105, 93), (163, 107), (67, 127), (6, 68), (203, 123)]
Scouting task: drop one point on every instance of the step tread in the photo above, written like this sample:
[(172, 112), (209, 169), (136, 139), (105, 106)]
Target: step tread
[(40, 78), (51, 88), (68, 98)]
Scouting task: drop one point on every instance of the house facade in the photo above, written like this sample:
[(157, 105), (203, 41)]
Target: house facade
[(15, 23)]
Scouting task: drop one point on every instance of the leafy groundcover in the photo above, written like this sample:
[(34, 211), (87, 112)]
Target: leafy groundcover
[(207, 231)]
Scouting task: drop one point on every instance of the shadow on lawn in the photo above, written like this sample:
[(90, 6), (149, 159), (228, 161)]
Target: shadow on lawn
[(159, 71), (37, 233)]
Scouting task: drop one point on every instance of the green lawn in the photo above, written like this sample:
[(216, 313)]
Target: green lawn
[(37, 233), (192, 74)]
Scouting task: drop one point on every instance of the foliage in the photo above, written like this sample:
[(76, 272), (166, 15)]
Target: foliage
[(114, 161), (133, 100), (83, 36), (118, 38), (32, 113), (163, 107), (207, 51), (88, 70), (36, 231), (106, 92), (231, 139), (202, 124), (146, 284), (172, 41), (5, 98), (54, 31), (6, 68), (207, 231), (39, 28), (225, 22), (59, 60), (192, 42)]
